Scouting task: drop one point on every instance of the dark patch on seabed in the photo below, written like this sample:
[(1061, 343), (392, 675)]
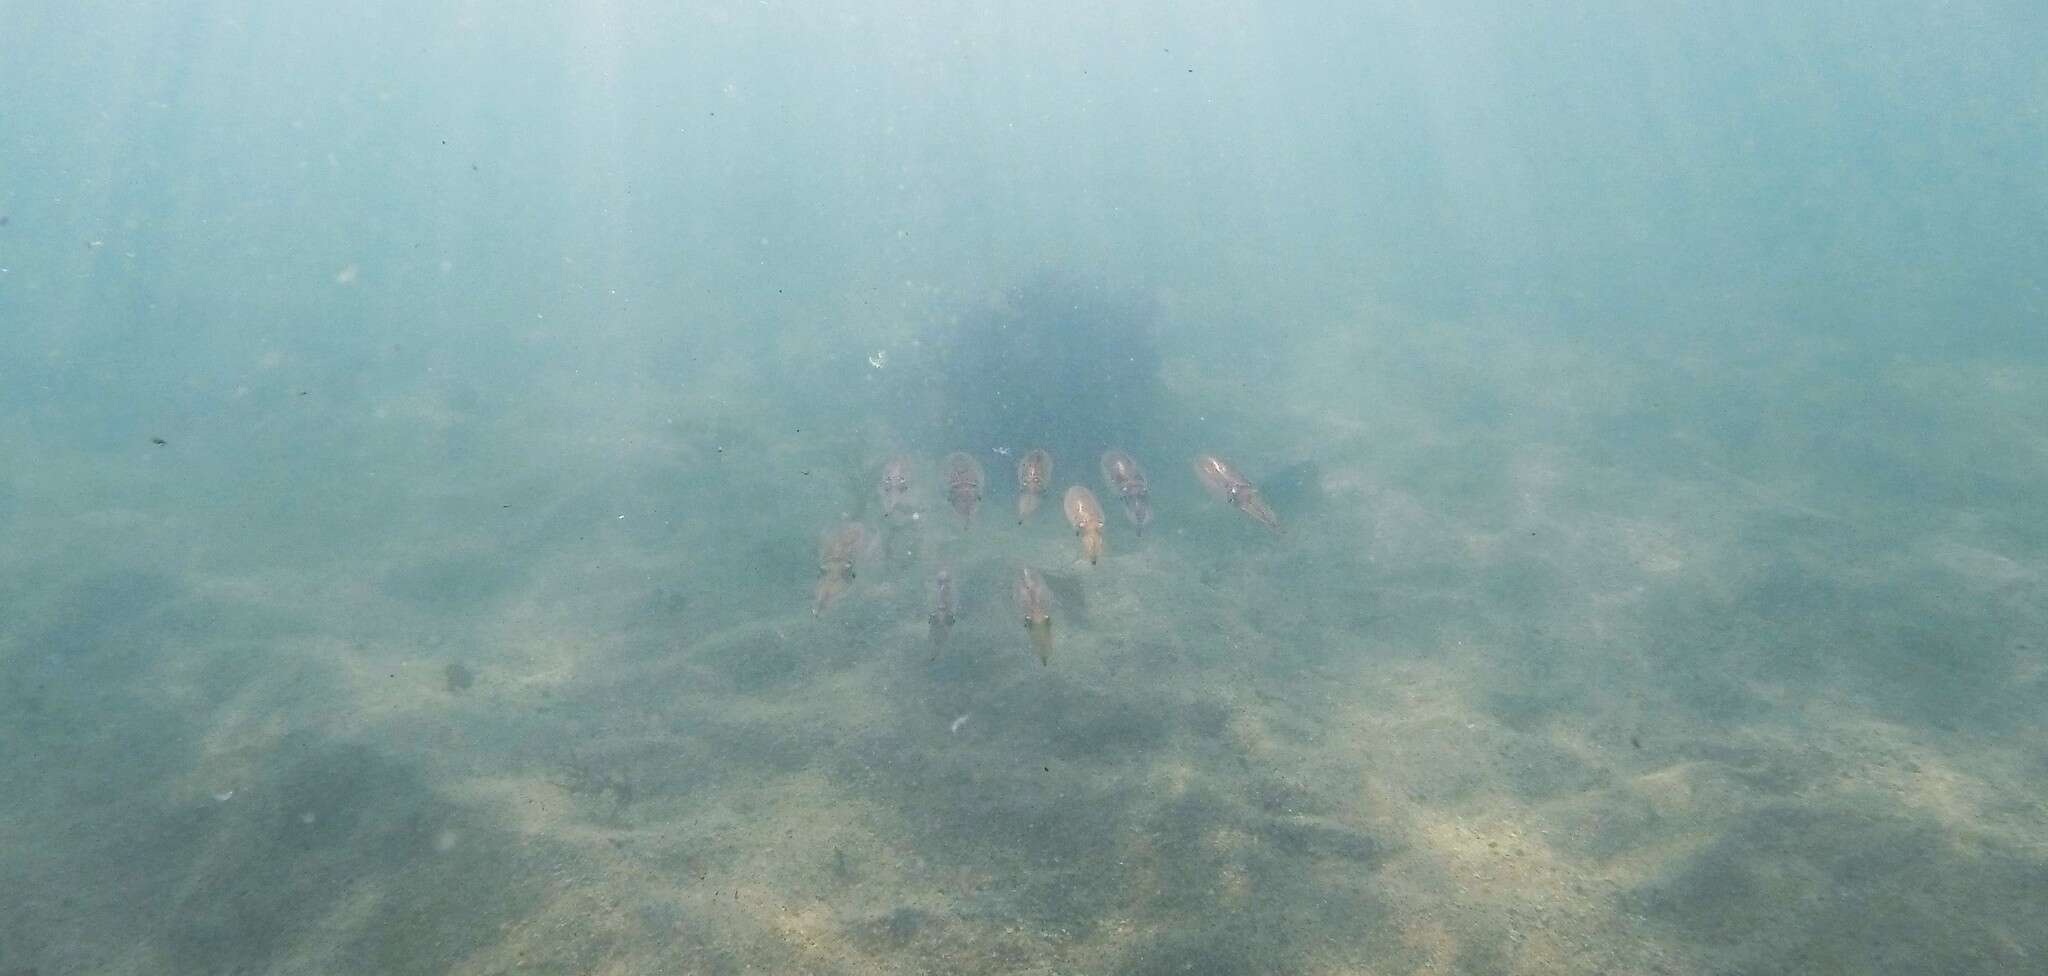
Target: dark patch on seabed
[(1059, 362), (332, 858), (98, 616), (328, 828), (452, 581), (1875, 894)]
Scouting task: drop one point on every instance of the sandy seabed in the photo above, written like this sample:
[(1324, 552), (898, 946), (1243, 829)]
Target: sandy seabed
[(1577, 657)]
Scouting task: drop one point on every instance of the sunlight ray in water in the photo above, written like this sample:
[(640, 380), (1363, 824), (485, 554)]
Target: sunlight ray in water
[(557, 488)]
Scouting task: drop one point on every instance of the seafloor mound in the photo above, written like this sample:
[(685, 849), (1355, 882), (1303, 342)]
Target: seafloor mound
[(1060, 363)]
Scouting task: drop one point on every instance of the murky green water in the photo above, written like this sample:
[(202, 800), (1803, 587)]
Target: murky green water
[(419, 422)]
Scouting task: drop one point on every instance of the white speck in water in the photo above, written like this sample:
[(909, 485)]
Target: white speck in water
[(955, 728), (307, 818), (224, 796), (446, 840)]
